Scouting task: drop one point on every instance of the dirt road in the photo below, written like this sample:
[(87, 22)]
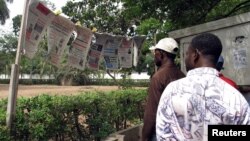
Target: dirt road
[(34, 90)]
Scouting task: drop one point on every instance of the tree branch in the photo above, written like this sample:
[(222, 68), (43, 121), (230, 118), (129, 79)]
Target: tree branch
[(113, 77), (238, 7), (208, 10)]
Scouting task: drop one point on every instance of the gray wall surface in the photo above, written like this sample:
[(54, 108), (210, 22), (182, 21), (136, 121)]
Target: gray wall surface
[(234, 33)]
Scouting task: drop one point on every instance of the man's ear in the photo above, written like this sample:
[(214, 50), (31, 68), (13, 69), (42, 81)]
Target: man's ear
[(162, 53), (196, 55)]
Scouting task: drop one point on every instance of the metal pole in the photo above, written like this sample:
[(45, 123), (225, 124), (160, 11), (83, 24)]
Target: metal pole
[(13, 87)]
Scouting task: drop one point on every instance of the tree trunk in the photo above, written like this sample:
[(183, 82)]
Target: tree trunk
[(113, 77)]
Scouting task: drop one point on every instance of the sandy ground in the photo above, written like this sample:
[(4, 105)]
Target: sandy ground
[(34, 90)]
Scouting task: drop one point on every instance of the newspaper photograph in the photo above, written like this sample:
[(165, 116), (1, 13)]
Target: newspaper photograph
[(78, 50), (59, 33), (110, 52), (240, 58), (94, 56), (239, 51), (38, 19), (125, 53)]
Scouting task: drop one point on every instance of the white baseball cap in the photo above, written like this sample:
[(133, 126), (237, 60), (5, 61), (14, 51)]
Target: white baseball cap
[(167, 44)]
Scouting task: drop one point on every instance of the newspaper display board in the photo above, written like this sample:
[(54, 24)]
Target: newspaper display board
[(59, 33), (79, 49), (36, 19), (125, 53), (110, 52), (39, 17)]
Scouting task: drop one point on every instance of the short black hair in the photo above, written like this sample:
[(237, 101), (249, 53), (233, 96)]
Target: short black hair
[(169, 55), (219, 66), (208, 45)]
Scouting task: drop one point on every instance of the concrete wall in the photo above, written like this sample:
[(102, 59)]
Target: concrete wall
[(130, 134), (234, 33)]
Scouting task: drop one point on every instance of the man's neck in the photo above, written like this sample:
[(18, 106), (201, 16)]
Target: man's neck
[(167, 62), (205, 63)]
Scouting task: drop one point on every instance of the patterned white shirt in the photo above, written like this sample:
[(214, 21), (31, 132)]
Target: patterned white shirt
[(187, 106)]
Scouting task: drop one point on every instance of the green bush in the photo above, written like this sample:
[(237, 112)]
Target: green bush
[(81, 80), (87, 116), (4, 132)]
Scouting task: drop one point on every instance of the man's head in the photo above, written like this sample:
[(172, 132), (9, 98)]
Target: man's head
[(220, 62), (203, 51), (165, 48)]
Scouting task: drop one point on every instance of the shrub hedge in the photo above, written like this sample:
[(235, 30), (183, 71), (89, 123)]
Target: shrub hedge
[(87, 116), (99, 82)]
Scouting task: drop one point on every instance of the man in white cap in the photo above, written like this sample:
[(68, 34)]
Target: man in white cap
[(164, 52)]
